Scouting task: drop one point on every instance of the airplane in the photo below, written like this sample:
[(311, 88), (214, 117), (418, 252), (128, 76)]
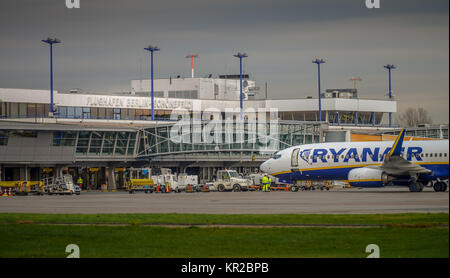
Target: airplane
[(366, 164)]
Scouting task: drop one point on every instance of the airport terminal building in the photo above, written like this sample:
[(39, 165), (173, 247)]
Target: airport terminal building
[(99, 135)]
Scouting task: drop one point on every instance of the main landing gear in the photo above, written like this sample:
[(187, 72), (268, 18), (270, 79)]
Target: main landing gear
[(416, 186), (440, 186)]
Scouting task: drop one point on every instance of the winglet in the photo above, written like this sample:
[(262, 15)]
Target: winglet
[(397, 147)]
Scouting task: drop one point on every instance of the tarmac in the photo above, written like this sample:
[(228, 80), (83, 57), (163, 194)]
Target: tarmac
[(335, 201)]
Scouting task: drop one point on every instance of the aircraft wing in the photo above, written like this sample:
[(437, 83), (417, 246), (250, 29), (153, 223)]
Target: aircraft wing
[(396, 165)]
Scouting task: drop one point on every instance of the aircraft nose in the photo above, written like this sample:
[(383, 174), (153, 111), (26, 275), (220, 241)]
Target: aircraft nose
[(265, 167)]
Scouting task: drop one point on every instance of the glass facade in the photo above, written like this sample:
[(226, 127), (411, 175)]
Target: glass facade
[(157, 141), (24, 110), (64, 138), (335, 117), (437, 132), (97, 143)]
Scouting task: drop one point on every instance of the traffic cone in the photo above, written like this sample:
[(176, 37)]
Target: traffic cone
[(157, 188)]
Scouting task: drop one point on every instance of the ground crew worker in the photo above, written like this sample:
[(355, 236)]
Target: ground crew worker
[(80, 182), (265, 183)]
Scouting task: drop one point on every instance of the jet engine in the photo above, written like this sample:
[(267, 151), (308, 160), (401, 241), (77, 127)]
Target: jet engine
[(367, 177)]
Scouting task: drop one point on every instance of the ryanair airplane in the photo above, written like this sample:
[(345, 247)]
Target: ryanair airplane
[(366, 164)]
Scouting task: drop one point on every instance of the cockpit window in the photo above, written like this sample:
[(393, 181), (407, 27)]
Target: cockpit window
[(276, 156)]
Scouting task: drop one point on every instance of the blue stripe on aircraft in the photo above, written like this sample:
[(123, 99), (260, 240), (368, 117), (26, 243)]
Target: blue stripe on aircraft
[(439, 171), (367, 184)]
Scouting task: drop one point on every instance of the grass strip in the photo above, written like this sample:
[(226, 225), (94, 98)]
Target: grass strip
[(404, 219), (30, 240)]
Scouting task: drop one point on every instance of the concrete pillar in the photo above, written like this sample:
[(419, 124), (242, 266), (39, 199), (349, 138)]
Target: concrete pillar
[(111, 179), (58, 170), (348, 135), (23, 173)]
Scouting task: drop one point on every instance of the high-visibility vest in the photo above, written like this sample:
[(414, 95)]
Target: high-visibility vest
[(80, 180), (265, 180)]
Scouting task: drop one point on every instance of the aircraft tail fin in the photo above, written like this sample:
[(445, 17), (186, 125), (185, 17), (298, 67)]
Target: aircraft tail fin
[(397, 147)]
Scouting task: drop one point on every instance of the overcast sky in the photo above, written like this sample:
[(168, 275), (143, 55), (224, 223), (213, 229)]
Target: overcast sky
[(103, 41)]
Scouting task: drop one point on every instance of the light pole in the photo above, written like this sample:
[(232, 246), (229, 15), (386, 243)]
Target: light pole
[(51, 42), (318, 62), (240, 56), (152, 49), (390, 67), (192, 56)]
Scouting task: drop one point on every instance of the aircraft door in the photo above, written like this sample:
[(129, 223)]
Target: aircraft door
[(294, 158)]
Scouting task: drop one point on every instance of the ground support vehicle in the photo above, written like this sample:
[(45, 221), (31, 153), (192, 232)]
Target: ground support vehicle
[(230, 180), (139, 179), (19, 188), (62, 185)]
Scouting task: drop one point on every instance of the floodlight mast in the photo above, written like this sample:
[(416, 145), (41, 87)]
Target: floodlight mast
[(390, 67), (51, 42), (192, 56), (318, 62), (152, 49), (241, 56)]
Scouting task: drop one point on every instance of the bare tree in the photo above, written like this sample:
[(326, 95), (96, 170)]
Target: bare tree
[(413, 117)]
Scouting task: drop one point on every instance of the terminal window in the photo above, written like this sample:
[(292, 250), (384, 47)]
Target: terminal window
[(3, 138), (184, 94)]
